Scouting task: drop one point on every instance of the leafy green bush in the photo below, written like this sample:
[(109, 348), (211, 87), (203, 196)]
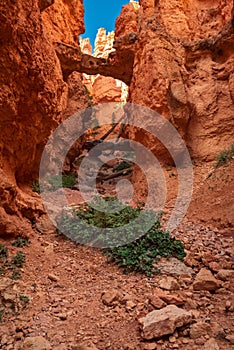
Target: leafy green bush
[(141, 255), (224, 157), (145, 248)]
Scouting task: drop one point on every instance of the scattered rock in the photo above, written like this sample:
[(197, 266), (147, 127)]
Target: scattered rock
[(174, 267), (111, 297), (36, 343), (5, 282), (130, 305), (161, 322), (53, 278), (169, 298), (150, 346), (89, 346), (205, 281), (169, 283), (224, 275), (62, 316), (45, 226), (156, 302), (211, 345), (230, 338), (202, 329)]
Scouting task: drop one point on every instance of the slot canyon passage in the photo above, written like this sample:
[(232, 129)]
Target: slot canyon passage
[(165, 290)]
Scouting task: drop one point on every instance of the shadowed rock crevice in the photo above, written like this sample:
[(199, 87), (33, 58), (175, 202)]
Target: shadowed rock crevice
[(44, 4)]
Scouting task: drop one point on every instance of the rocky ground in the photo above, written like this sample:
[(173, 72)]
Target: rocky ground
[(78, 299)]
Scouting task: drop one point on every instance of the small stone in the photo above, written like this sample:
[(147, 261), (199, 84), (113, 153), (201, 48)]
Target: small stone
[(161, 322), (224, 275), (172, 339), (62, 316), (53, 278), (150, 346), (5, 282), (156, 302), (61, 347), (169, 298), (199, 329), (205, 281), (109, 298), (89, 346), (36, 343), (45, 226), (211, 345), (230, 338), (173, 267), (200, 341), (214, 266), (169, 283), (130, 304), (19, 336), (185, 341)]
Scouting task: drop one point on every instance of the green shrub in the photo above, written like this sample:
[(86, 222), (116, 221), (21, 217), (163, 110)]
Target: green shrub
[(21, 242), (224, 157), (139, 255)]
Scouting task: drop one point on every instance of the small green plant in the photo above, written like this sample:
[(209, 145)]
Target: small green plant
[(3, 252), (18, 260), (224, 157), (1, 314), (121, 166), (36, 186), (55, 182), (24, 298), (21, 242), (16, 274), (90, 97)]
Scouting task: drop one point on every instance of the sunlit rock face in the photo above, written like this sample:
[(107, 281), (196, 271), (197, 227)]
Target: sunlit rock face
[(183, 69), (102, 88)]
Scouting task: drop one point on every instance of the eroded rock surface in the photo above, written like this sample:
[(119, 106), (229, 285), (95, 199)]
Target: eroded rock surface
[(33, 101)]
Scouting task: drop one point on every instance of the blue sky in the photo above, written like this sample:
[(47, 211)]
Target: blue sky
[(101, 13)]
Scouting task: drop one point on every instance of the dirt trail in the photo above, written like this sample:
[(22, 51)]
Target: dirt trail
[(77, 296)]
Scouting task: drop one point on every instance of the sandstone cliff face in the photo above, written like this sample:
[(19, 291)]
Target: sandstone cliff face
[(33, 99), (190, 85)]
